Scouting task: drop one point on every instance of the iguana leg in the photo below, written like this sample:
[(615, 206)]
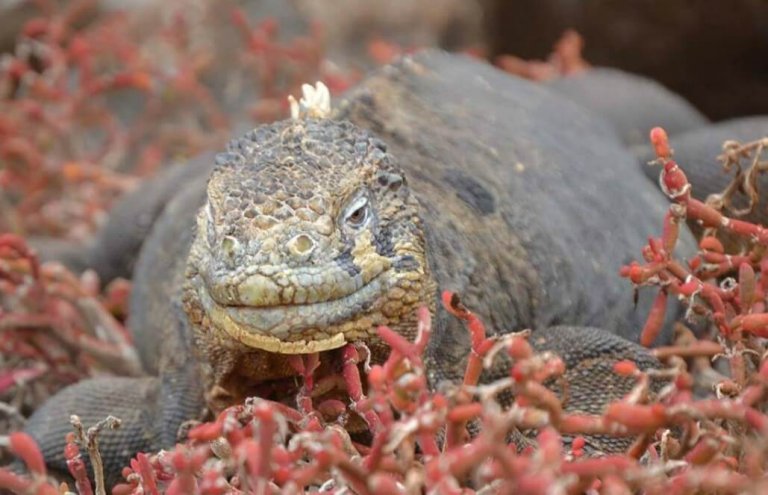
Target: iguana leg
[(152, 409), (590, 383), (589, 355), (151, 412), (133, 400)]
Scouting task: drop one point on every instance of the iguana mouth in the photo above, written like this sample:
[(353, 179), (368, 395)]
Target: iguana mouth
[(310, 325), (284, 286)]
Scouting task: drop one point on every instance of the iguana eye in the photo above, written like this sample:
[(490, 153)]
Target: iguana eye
[(358, 213)]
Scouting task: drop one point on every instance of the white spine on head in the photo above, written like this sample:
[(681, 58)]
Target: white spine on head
[(314, 103)]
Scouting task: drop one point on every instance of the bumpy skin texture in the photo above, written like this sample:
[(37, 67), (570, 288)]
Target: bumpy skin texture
[(140, 433), (437, 172), (589, 355), (633, 104)]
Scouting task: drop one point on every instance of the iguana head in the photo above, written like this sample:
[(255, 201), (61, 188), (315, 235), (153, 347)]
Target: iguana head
[(309, 238)]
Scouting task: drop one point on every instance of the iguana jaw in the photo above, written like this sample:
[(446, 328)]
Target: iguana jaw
[(302, 328)]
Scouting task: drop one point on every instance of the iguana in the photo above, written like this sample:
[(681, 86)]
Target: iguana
[(437, 172)]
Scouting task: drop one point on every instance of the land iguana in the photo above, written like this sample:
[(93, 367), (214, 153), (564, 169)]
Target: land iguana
[(437, 172)]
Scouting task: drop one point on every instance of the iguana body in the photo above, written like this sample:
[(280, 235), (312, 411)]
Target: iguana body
[(633, 104), (436, 173)]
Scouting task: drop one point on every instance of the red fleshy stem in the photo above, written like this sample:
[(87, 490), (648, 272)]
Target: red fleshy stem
[(147, 473), (351, 375), (660, 143), (24, 447), (76, 466), (655, 319)]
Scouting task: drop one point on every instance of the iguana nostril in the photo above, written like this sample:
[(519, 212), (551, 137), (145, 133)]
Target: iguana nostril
[(301, 245)]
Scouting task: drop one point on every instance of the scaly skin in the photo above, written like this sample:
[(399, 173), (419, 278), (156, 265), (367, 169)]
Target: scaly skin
[(437, 173)]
